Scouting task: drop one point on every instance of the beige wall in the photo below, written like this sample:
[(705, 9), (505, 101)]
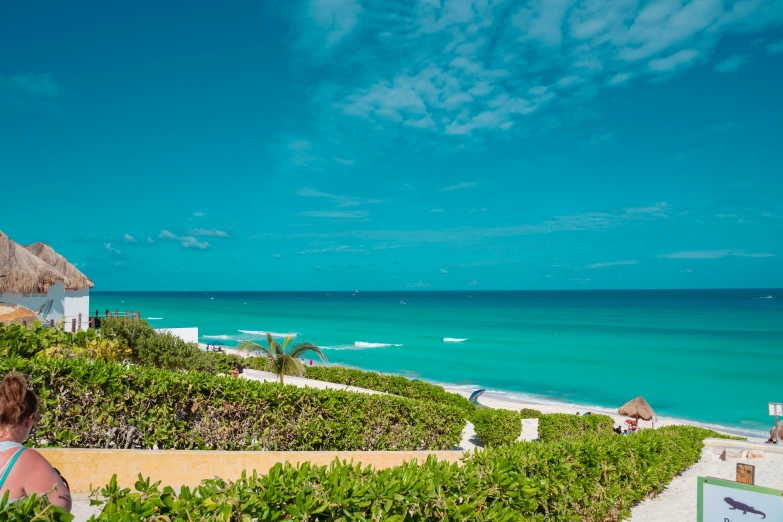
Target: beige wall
[(85, 467)]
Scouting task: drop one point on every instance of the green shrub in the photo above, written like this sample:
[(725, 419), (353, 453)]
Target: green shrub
[(31, 507), (562, 426), (129, 333), (393, 384), (496, 427), (20, 341), (597, 477), (529, 413), (91, 404)]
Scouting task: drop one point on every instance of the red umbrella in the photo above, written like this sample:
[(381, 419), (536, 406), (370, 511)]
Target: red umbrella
[(629, 421)]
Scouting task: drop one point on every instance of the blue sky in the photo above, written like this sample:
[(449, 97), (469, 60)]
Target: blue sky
[(425, 144)]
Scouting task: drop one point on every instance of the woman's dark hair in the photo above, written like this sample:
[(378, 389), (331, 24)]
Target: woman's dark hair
[(17, 402)]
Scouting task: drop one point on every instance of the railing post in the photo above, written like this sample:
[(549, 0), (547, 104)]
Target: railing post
[(92, 321), (138, 316), (116, 313), (73, 325), (80, 320), (107, 314), (24, 322), (51, 323)]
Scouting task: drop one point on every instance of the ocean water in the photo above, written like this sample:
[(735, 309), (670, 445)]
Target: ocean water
[(713, 356)]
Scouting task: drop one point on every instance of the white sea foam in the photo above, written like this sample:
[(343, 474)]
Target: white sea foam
[(362, 344), (264, 332), (222, 337), (453, 340), (154, 318)]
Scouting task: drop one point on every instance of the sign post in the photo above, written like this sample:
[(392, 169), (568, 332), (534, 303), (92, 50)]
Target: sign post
[(775, 410), (723, 500)]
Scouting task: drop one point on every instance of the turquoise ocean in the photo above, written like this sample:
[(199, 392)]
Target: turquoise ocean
[(713, 356)]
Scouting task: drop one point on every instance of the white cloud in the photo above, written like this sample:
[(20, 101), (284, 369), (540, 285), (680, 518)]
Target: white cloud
[(184, 241), (613, 263), (340, 201), (659, 209), (473, 282), (150, 240), (686, 271), (468, 184), (278, 256), (335, 18), (775, 47), (713, 254), (437, 211), (732, 63), (199, 214), (620, 78), (332, 248), (129, 238), (111, 249), (336, 214), (211, 232), (678, 59), (444, 271), (348, 162), (418, 284)]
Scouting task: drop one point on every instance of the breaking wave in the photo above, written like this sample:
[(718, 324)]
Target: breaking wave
[(221, 337), (453, 340), (264, 332)]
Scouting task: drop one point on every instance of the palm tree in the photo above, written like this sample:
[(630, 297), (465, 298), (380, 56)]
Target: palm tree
[(283, 358)]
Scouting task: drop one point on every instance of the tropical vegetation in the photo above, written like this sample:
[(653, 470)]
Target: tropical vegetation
[(283, 358)]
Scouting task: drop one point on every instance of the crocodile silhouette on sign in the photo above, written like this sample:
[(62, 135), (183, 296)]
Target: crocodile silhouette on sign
[(743, 507)]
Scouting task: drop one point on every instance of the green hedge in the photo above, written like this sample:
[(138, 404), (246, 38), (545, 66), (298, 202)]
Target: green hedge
[(16, 340), (563, 426), (393, 384), (101, 404), (529, 413), (596, 477), (496, 427)]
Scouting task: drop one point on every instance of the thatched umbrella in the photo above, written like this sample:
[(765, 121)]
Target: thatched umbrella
[(637, 409), (22, 271), (779, 427), (11, 313), (74, 279)]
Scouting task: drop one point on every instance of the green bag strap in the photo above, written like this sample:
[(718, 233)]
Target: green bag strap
[(9, 465)]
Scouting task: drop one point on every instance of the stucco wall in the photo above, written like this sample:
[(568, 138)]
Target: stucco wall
[(186, 334), (66, 303), (82, 467), (35, 301)]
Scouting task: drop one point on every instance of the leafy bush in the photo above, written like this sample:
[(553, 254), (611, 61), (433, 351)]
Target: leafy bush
[(393, 384), (102, 404), (562, 426), (529, 413), (32, 507), (596, 477), (496, 427), (18, 340), (108, 349), (129, 333)]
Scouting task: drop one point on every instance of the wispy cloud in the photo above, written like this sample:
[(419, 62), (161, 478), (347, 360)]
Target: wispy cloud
[(129, 238), (732, 63), (277, 256), (444, 271), (111, 249), (39, 85), (613, 263), (332, 248), (725, 127), (211, 232), (347, 162), (418, 284), (713, 254), (674, 61), (775, 47), (437, 211), (199, 214), (340, 201), (463, 185), (150, 240), (184, 241), (335, 214)]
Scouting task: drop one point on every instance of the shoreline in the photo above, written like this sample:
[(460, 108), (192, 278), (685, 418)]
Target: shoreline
[(511, 400)]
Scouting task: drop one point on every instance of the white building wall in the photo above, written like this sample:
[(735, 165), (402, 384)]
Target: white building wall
[(65, 303), (77, 302), (189, 335)]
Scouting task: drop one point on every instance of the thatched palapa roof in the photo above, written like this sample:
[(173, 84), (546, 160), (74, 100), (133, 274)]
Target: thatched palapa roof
[(24, 272), (74, 279), (638, 409)]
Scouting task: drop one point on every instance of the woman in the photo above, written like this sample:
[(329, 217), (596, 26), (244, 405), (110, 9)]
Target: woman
[(24, 471)]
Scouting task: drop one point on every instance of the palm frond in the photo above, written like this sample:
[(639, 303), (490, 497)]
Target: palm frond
[(300, 348), (291, 366), (250, 346), (287, 340)]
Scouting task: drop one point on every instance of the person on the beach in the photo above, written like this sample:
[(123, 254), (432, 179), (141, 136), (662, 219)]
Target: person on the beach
[(24, 471), (239, 368)]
